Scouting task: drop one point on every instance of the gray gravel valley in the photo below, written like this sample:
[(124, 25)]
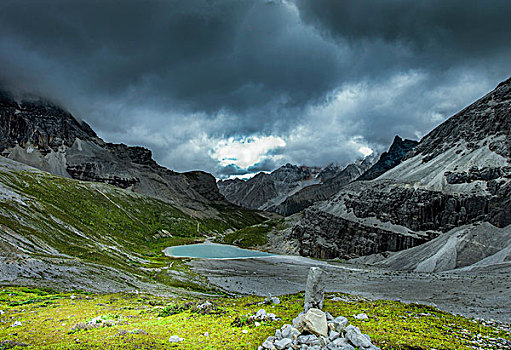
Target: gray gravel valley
[(485, 294)]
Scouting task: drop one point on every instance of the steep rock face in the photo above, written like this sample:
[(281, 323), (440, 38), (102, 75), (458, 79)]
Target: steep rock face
[(467, 247), (47, 137), (39, 124), (326, 236), (458, 174), (390, 159)]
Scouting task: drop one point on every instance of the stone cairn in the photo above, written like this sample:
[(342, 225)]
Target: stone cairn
[(314, 329)]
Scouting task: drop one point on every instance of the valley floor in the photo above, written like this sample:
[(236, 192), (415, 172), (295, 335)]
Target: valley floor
[(485, 294)]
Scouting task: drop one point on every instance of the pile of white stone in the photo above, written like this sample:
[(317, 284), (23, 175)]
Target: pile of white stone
[(314, 329)]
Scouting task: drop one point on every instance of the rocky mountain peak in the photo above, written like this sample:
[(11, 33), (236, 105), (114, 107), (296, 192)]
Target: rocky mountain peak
[(39, 124), (41, 134), (486, 119), (389, 159)]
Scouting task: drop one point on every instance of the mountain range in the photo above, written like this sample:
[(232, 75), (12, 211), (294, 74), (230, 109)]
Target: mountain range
[(459, 174), (450, 189)]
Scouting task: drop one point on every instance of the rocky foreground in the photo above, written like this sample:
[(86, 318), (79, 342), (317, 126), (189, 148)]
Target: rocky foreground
[(314, 329)]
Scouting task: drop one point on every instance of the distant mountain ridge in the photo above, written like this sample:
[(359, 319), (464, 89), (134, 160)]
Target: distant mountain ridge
[(292, 188), (266, 191)]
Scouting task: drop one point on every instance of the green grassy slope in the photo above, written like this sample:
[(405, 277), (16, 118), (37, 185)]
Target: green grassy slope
[(52, 216)]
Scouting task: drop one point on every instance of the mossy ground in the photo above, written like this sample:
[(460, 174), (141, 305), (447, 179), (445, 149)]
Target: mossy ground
[(252, 236), (47, 320)]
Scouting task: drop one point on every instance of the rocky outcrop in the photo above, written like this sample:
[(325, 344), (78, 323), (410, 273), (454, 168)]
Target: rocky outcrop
[(326, 236), (40, 125), (468, 247), (390, 159), (457, 175), (315, 329)]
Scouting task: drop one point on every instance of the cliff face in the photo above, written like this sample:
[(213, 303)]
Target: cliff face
[(39, 124), (41, 134), (458, 174)]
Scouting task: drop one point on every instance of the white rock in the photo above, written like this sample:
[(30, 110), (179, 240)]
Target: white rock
[(175, 339), (315, 322), (361, 317), (275, 300), (356, 338), (272, 316), (309, 339), (261, 313), (244, 331), (340, 342), (298, 322), (16, 324), (338, 324), (268, 343), (286, 331), (204, 305), (257, 324), (283, 343), (333, 335)]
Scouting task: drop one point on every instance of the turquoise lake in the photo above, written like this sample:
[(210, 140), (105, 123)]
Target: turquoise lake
[(212, 251)]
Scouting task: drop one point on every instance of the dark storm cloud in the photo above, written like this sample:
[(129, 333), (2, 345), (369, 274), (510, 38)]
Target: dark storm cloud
[(325, 76), (241, 56), (454, 28)]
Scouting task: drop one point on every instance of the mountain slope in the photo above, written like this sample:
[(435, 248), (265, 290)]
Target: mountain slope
[(59, 232), (41, 134), (458, 174)]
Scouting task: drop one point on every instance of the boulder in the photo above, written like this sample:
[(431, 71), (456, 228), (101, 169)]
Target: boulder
[(356, 337), (315, 322), (175, 339), (338, 324)]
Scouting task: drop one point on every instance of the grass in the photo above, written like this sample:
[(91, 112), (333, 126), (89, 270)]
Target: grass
[(146, 322), (102, 224), (252, 236)]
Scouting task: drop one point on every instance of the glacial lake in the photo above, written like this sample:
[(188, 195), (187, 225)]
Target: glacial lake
[(212, 251)]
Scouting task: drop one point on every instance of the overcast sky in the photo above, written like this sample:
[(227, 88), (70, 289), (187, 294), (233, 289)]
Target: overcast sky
[(236, 87)]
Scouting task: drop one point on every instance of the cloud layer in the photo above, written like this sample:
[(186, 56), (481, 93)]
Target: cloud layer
[(193, 79)]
